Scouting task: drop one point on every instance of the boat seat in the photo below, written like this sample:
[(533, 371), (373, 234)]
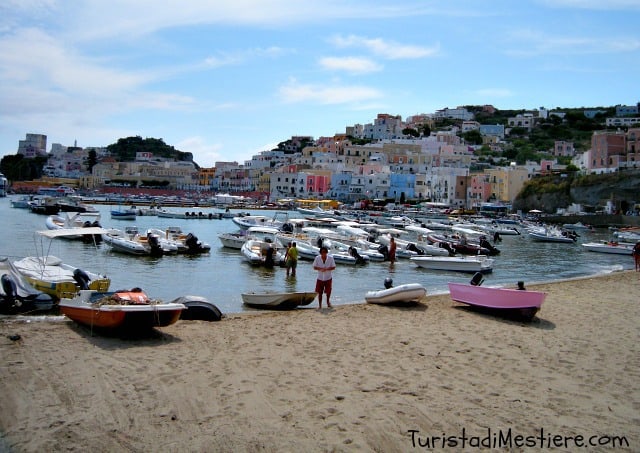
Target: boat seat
[(477, 279)]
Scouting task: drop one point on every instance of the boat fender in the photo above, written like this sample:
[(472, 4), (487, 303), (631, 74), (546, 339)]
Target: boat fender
[(81, 278), (9, 287)]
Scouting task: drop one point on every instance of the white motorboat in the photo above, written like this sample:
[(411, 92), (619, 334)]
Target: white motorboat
[(578, 226), (286, 300), (51, 275), (618, 248), (262, 247), (130, 241), (17, 295), (233, 240), (77, 220), (409, 292), (247, 221), (462, 263), (629, 234), (551, 234), (187, 243), (409, 249)]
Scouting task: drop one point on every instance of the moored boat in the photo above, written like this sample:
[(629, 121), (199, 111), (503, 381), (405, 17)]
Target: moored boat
[(613, 247), (49, 274), (464, 263), (124, 214), (17, 295)]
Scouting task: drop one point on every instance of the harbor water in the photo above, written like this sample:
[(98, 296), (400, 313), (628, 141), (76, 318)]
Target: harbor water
[(222, 276)]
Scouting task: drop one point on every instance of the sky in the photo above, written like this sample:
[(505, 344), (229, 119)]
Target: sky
[(228, 80)]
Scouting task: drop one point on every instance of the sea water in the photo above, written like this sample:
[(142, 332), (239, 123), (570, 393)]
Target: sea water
[(222, 275)]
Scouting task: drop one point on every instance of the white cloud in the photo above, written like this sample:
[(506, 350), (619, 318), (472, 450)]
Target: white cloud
[(205, 154), (386, 49), (532, 43), (345, 94), (494, 93), (594, 4), (353, 65), (326, 95)]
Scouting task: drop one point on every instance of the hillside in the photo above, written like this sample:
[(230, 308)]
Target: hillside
[(592, 192)]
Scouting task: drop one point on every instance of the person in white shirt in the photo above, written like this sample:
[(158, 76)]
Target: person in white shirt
[(325, 265)]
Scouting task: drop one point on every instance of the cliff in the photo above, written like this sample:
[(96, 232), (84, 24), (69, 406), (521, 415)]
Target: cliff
[(592, 192)]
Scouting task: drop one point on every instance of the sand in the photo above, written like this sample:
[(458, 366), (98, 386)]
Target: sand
[(356, 378)]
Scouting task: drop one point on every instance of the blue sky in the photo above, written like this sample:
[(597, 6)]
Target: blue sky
[(226, 80)]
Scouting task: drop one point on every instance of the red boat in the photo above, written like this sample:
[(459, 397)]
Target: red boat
[(131, 310)]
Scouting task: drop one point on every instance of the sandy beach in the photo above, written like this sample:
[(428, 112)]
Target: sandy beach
[(355, 378)]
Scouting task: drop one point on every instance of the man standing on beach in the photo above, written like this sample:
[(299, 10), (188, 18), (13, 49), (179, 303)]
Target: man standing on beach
[(636, 255), (325, 265)]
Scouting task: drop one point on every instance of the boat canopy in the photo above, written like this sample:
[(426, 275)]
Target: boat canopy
[(62, 232)]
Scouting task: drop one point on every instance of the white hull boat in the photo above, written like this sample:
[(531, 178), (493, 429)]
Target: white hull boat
[(464, 263), (232, 240), (286, 300), (409, 292), (76, 220), (617, 248), (262, 247), (550, 235)]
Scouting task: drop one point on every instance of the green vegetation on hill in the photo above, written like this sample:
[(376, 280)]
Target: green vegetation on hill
[(125, 149)]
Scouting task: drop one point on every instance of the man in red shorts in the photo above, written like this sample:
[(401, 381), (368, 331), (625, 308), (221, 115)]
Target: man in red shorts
[(324, 264)]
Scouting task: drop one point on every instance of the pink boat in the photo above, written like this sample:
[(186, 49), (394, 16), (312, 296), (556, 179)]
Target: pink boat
[(524, 302)]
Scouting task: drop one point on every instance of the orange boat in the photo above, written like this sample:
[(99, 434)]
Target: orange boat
[(131, 310)]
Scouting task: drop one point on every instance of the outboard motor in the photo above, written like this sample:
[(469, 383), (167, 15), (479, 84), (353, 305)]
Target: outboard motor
[(487, 245), (447, 247), (287, 227), (192, 243), (385, 252), (521, 286), (353, 252), (9, 288), (81, 278), (154, 243), (388, 282), (477, 279)]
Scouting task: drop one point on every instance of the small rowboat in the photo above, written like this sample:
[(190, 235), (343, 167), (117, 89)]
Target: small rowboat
[(525, 302), (278, 300)]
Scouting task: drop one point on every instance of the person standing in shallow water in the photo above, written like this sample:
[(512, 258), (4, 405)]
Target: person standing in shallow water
[(325, 265), (392, 250), (291, 259)]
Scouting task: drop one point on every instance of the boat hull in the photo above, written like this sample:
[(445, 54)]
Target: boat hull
[(120, 316), (525, 303), (115, 318), (469, 264), (278, 300), (616, 249), (410, 292)]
